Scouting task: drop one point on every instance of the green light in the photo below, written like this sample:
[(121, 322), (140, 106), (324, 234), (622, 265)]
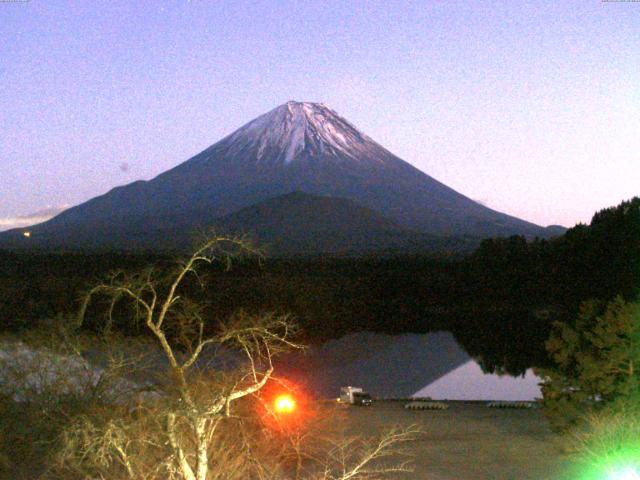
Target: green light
[(625, 474), (621, 465)]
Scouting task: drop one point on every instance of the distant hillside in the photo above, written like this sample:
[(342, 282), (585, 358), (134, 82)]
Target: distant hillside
[(302, 224), (294, 224)]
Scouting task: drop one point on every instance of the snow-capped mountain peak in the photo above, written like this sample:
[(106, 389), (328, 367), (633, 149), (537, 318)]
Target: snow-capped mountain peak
[(296, 147), (297, 130)]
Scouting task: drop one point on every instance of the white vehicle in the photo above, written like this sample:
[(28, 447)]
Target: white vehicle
[(355, 396)]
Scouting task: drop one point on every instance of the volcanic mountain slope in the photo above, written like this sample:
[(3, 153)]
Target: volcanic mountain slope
[(303, 147)]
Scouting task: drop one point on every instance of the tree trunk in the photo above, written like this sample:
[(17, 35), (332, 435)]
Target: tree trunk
[(202, 459), (183, 464)]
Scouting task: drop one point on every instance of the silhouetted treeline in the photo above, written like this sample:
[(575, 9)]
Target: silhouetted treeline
[(521, 287), (500, 302)]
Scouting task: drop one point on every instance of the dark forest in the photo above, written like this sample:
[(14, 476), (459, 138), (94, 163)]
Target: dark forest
[(500, 301)]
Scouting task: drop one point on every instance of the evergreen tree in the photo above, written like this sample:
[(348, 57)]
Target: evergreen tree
[(597, 361)]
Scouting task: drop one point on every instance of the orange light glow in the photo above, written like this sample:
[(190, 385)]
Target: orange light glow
[(284, 404)]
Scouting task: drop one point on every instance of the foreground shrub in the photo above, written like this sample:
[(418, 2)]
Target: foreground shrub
[(45, 382)]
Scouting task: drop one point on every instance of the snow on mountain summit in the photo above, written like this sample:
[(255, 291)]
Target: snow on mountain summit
[(299, 130), (296, 147)]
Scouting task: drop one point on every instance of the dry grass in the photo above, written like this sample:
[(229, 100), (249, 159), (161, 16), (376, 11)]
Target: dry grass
[(472, 442)]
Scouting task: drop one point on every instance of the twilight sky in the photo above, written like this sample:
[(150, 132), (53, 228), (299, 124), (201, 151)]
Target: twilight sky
[(531, 107)]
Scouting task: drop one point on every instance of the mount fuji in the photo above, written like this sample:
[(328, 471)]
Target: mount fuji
[(299, 147)]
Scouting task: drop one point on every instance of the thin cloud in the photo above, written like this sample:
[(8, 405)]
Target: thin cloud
[(22, 221)]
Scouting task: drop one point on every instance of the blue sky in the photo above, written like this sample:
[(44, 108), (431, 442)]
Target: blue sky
[(532, 108)]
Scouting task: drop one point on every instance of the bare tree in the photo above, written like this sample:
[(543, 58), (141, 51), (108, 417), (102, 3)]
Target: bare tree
[(200, 420), (179, 328)]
